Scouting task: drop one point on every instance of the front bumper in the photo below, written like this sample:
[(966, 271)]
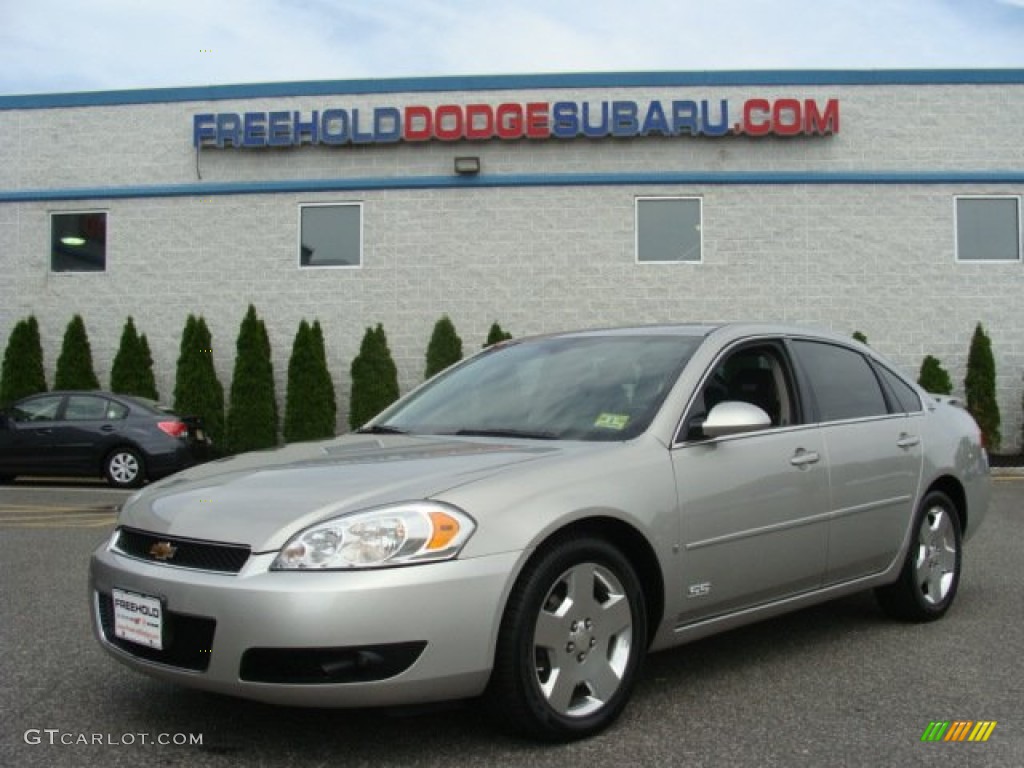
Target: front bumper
[(428, 630)]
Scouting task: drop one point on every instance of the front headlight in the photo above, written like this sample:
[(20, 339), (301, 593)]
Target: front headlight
[(400, 534)]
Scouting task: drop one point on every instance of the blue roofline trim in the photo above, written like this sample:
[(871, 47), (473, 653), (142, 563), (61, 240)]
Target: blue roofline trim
[(766, 178), (706, 78)]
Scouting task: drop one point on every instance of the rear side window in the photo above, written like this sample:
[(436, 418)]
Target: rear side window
[(85, 408), (844, 385), (907, 400)]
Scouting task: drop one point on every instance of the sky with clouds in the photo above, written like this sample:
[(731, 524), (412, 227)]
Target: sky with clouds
[(70, 45)]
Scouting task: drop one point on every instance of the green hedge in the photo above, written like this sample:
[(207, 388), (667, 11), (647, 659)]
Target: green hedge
[(22, 373)]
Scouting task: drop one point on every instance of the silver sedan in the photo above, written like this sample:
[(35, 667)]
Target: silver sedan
[(527, 525)]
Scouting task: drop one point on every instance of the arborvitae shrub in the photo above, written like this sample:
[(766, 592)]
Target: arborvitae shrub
[(325, 372), (445, 347), (74, 365), (132, 370), (148, 375), (374, 378), (308, 413), (252, 409), (197, 390), (934, 378), (495, 335), (22, 374), (980, 386)]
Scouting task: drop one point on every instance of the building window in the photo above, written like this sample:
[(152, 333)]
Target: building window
[(331, 235), (988, 229), (668, 229), (78, 241)]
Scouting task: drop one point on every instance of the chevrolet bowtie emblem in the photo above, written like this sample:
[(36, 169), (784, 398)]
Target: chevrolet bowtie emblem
[(163, 550)]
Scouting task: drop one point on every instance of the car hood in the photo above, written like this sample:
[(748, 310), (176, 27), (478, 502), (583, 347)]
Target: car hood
[(262, 499)]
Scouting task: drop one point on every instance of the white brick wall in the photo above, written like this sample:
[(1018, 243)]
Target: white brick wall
[(874, 258)]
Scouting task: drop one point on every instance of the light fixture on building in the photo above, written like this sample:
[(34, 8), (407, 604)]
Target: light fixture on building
[(467, 166), (73, 240)]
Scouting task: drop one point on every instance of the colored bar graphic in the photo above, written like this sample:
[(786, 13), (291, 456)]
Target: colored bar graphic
[(982, 730), (958, 730), (935, 731)]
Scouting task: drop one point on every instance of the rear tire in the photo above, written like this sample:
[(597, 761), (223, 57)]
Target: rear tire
[(572, 641), (124, 468), (931, 573)]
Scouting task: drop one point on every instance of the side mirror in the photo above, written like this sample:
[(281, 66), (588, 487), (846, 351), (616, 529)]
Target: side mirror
[(734, 417)]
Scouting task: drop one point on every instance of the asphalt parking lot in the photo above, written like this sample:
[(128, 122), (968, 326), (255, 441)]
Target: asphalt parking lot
[(836, 685)]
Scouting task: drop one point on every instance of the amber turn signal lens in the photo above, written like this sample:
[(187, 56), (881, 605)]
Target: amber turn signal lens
[(445, 527)]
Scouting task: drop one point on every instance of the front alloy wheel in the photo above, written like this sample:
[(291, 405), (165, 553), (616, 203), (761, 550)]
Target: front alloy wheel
[(931, 573), (572, 642)]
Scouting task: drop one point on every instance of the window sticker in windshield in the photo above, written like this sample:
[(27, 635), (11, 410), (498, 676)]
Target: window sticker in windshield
[(615, 421)]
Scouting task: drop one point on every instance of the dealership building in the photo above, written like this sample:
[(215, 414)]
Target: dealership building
[(885, 202)]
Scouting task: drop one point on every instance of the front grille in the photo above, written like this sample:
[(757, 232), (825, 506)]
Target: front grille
[(187, 640), (183, 553)]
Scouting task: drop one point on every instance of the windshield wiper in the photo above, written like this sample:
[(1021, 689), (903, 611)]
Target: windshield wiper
[(381, 429), (525, 433)]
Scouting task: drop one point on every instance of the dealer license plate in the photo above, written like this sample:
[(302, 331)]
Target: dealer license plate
[(138, 618)]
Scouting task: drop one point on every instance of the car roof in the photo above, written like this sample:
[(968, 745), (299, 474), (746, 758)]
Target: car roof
[(726, 330)]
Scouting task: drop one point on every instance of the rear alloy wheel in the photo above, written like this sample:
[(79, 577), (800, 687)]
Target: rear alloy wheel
[(931, 573), (572, 641), (123, 468)]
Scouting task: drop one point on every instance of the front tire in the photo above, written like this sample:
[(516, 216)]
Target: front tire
[(572, 641), (931, 573), (124, 468)]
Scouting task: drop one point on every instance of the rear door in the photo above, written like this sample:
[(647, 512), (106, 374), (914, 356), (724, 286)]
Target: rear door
[(754, 506), (874, 453), (88, 426)]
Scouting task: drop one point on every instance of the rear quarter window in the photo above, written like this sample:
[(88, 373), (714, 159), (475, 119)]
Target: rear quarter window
[(906, 398)]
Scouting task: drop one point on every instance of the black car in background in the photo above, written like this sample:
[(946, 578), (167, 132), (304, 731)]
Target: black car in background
[(125, 439)]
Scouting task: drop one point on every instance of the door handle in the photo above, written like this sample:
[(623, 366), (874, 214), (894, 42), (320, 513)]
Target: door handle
[(804, 458), (908, 441), (46, 431), (107, 428)]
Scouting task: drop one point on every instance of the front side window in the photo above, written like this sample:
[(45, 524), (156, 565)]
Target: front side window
[(843, 383), (331, 235), (78, 241), (757, 375), (988, 229), (668, 230), (37, 409)]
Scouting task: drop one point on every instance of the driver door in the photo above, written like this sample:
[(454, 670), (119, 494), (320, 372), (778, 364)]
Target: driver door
[(26, 445), (754, 506)]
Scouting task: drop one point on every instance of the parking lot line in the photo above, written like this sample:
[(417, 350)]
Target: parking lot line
[(42, 516)]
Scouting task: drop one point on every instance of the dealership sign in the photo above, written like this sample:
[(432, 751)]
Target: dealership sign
[(514, 120)]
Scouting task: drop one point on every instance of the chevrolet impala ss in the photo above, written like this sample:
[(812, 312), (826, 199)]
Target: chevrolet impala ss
[(528, 524)]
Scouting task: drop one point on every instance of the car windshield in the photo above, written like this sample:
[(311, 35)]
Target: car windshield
[(592, 387)]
